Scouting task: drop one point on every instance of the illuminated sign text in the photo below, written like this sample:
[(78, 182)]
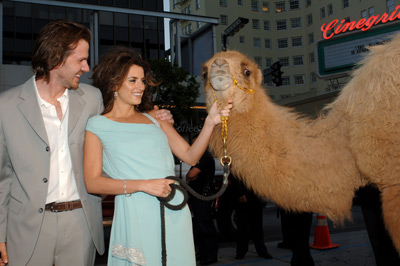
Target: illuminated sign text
[(329, 30)]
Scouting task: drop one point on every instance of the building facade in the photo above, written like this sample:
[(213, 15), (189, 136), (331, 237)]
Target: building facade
[(283, 30), (135, 23)]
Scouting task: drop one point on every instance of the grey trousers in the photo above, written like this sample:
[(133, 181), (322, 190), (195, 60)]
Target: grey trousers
[(64, 240)]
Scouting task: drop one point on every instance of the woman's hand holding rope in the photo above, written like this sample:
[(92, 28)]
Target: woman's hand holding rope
[(216, 114)]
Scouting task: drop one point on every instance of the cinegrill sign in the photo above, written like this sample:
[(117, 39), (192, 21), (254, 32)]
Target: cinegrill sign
[(334, 27), (337, 56)]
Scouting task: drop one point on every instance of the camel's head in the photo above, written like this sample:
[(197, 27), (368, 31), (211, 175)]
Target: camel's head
[(231, 75)]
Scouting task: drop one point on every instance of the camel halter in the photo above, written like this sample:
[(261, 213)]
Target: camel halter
[(226, 160)]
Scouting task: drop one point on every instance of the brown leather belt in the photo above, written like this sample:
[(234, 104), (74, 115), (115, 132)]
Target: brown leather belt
[(63, 206)]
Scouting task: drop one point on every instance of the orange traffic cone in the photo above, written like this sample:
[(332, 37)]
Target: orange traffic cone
[(322, 239)]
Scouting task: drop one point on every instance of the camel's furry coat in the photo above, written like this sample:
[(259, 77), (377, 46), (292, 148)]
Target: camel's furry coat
[(315, 166)]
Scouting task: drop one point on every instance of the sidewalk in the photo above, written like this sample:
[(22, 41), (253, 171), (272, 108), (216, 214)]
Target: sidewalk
[(354, 250)]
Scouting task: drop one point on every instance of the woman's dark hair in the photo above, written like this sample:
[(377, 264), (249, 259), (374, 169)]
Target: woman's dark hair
[(113, 69), (54, 43)]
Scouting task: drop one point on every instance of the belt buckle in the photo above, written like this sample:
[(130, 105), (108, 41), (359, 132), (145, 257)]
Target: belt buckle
[(52, 207)]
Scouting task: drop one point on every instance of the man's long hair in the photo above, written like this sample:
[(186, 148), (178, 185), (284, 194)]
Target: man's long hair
[(54, 43)]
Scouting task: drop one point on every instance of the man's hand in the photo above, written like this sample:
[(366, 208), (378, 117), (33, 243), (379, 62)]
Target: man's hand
[(3, 252), (164, 114)]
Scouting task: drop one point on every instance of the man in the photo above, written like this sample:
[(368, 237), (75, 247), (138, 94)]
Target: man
[(46, 215), (200, 178), (249, 214)]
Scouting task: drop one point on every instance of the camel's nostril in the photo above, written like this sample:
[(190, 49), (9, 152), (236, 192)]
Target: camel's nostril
[(220, 62)]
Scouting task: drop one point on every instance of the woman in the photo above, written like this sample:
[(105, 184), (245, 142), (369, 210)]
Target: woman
[(134, 149)]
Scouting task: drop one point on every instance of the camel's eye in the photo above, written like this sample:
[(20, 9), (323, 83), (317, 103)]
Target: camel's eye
[(204, 74), (247, 72)]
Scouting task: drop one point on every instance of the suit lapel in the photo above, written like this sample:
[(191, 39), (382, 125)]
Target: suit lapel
[(76, 105), (31, 110)]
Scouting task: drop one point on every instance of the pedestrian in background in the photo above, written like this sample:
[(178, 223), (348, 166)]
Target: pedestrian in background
[(249, 213), (200, 177)]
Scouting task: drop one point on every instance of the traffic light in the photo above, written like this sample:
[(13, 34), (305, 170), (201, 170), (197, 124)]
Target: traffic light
[(232, 29), (276, 73), (236, 26)]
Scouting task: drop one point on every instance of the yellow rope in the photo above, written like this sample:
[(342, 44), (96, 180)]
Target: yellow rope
[(224, 119), (236, 83)]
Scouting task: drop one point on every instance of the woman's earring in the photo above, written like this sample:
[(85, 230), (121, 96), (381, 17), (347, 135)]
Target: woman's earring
[(115, 94)]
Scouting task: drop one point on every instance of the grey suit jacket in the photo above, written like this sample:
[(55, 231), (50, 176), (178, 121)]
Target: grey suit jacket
[(25, 163)]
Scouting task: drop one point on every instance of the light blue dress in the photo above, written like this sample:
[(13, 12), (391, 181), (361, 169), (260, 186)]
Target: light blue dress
[(141, 151)]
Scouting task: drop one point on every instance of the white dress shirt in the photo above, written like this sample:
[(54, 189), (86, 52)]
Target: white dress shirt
[(62, 186)]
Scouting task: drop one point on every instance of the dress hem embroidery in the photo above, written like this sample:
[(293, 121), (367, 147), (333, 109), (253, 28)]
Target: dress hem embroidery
[(129, 254)]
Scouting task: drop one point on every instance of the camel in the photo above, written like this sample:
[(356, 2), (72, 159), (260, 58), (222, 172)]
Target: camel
[(314, 165)]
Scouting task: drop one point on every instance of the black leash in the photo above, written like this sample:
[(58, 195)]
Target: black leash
[(184, 187)]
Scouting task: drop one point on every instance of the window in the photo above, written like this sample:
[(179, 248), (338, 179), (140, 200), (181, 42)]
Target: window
[(267, 25), (295, 23), (389, 6), (371, 11), (198, 23), (294, 4), (312, 58), (313, 77), (240, 3), (254, 5), (280, 7), (298, 60), (309, 19), (267, 43), (241, 39), (282, 43), (223, 3), (187, 29), (285, 96), (269, 84), (175, 3), (310, 38), (299, 79), (224, 20), (268, 61), (364, 13), (281, 25), (323, 12), (345, 3), (297, 41), (265, 6), (330, 9), (256, 42), (284, 61), (308, 3), (187, 10), (256, 24), (197, 4), (258, 60), (286, 81)]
